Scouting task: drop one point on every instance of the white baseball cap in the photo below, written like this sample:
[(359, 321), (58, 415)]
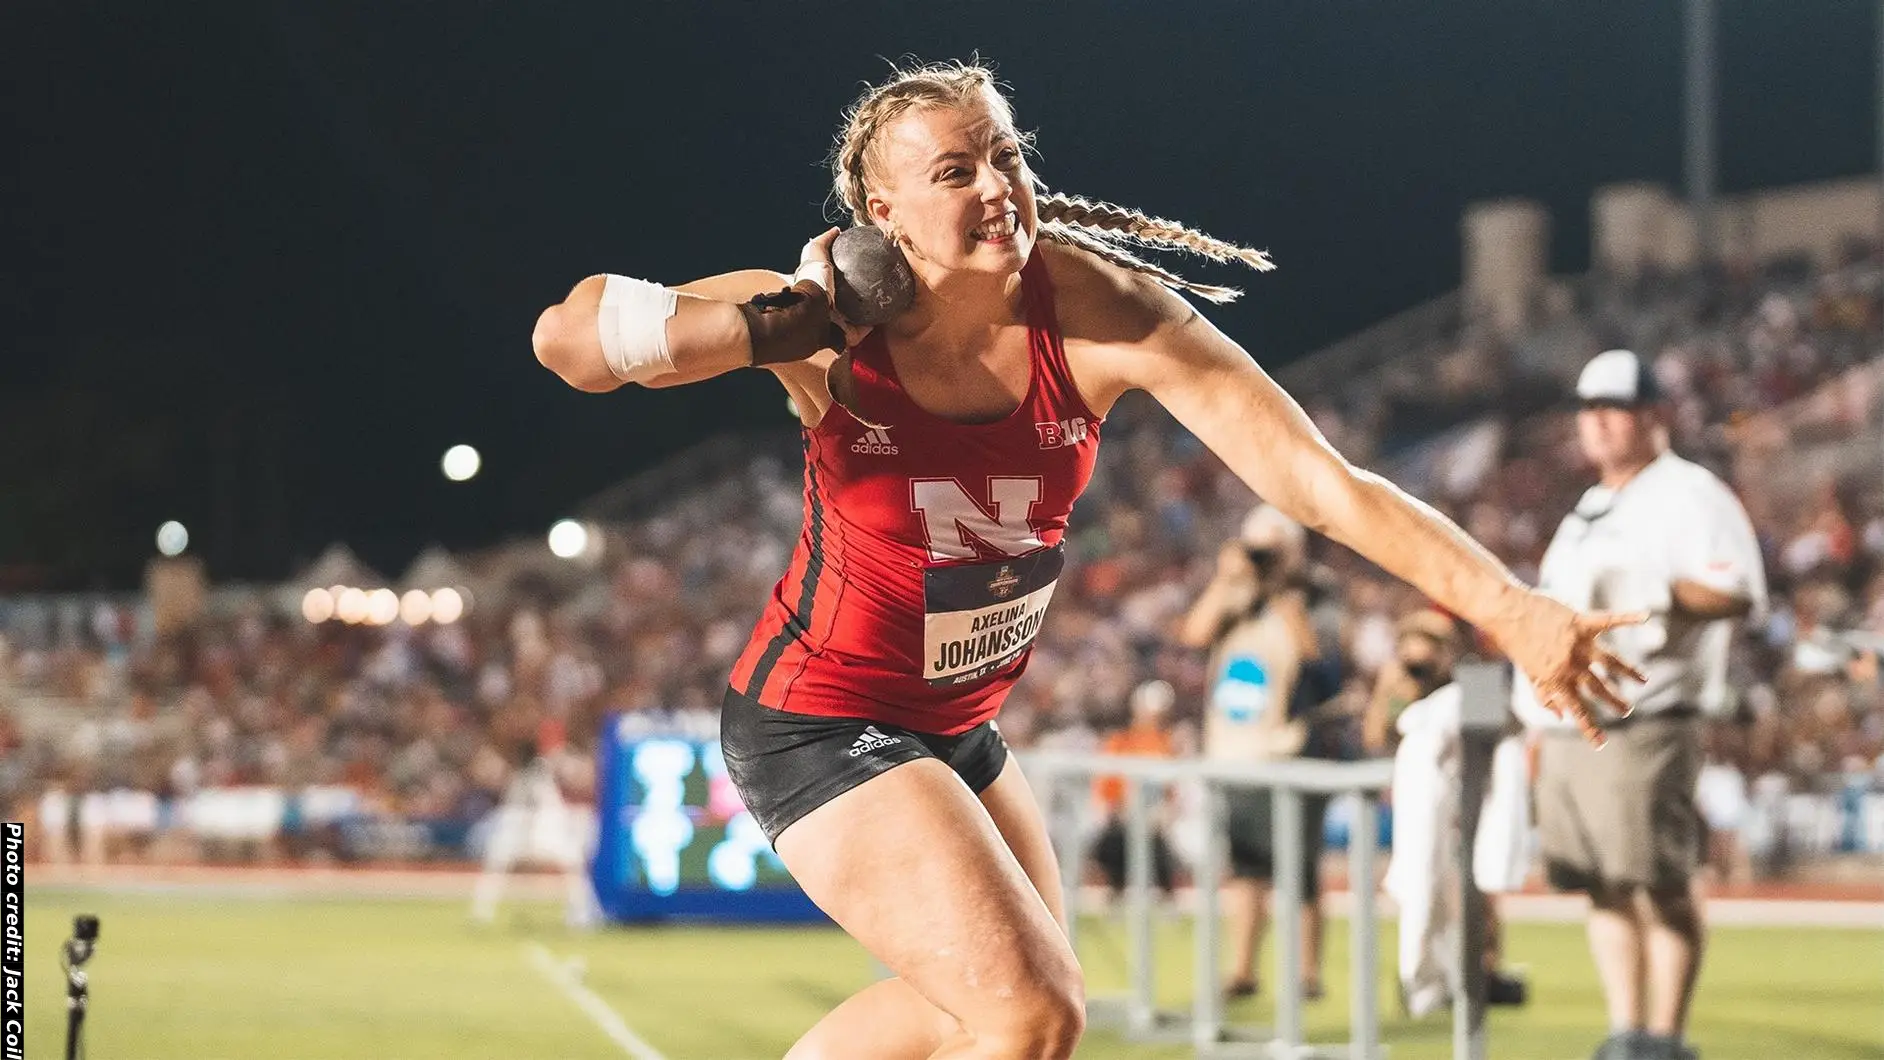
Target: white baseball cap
[(1156, 696), (1617, 377)]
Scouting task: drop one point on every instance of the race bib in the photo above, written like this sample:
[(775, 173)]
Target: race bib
[(979, 618)]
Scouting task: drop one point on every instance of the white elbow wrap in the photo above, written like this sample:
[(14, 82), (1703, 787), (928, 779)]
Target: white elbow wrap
[(631, 322)]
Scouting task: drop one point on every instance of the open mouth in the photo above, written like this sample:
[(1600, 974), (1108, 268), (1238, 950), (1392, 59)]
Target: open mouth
[(999, 230)]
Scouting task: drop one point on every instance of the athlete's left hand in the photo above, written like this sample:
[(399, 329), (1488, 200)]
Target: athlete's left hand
[(1556, 647)]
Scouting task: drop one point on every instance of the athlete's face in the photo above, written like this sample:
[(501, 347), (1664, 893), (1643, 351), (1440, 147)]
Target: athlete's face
[(954, 184)]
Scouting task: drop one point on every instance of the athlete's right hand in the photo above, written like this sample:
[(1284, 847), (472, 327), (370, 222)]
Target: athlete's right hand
[(1557, 648), (814, 264)]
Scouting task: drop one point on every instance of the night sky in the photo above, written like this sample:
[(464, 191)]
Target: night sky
[(261, 263)]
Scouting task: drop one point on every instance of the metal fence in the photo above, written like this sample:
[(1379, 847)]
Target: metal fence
[(1205, 1026)]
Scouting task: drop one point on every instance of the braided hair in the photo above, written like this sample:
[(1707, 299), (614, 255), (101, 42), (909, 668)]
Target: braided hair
[(1106, 230)]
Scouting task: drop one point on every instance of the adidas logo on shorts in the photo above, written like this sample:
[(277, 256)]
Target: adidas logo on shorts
[(870, 741), (875, 442)]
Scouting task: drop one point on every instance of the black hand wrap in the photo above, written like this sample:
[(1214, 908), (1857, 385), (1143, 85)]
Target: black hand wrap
[(791, 324)]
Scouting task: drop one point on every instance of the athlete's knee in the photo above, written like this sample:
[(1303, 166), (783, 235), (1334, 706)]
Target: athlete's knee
[(1042, 1021)]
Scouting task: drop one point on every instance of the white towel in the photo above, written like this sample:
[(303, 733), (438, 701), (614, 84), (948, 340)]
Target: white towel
[(1422, 875), (1501, 852), (1425, 815)]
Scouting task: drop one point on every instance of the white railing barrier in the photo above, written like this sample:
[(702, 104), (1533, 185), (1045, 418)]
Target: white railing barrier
[(1205, 1026), (1484, 698)]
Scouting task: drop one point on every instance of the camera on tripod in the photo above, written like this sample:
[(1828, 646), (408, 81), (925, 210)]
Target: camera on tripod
[(73, 954)]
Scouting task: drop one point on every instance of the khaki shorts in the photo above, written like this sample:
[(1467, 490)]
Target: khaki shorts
[(1624, 815)]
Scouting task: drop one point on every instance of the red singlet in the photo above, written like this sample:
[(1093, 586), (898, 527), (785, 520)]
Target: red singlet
[(930, 550)]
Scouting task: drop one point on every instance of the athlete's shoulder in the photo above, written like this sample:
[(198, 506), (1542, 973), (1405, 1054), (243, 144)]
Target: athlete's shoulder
[(1098, 301)]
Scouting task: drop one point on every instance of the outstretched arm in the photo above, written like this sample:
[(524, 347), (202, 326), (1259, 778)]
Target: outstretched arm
[(1144, 336), (706, 335), (596, 341)]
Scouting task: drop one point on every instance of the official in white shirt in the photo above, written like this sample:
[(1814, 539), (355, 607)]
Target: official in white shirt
[(1661, 535)]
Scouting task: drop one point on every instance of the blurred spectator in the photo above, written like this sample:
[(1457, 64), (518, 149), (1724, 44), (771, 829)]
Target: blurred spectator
[(1148, 736)]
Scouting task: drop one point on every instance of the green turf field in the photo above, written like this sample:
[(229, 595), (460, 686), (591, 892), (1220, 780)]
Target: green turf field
[(180, 976)]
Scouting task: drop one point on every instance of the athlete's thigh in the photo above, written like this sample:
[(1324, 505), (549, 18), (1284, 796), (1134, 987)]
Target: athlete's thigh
[(913, 867), (1016, 814)]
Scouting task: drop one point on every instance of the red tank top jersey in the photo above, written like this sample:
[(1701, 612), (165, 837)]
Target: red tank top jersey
[(931, 548)]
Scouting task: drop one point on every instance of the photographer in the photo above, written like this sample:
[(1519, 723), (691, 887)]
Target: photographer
[(1268, 671)]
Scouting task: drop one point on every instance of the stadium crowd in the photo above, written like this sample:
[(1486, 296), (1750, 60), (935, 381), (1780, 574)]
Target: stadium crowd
[(428, 724)]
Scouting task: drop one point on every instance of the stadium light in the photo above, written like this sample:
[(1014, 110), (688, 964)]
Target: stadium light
[(415, 607), (461, 462), (351, 607), (382, 607), (447, 606), (568, 539), (317, 606), (172, 538)]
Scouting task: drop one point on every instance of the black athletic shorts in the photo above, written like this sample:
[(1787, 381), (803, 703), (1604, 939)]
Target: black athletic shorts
[(1250, 815), (785, 765)]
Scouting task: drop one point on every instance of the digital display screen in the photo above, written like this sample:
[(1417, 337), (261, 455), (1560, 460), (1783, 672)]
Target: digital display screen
[(675, 839)]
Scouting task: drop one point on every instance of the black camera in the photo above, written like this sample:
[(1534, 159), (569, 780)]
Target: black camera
[(78, 949), (1265, 560), (72, 957)]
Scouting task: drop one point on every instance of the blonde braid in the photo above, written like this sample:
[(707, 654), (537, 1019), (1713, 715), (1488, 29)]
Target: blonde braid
[(1100, 228), (1083, 223), (1125, 259)]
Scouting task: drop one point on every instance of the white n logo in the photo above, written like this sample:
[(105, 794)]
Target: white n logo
[(953, 521)]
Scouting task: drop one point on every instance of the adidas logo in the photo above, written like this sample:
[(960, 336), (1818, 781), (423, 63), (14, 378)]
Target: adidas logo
[(875, 442), (871, 740)]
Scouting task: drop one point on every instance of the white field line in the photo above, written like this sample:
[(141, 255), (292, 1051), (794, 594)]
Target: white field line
[(593, 1006)]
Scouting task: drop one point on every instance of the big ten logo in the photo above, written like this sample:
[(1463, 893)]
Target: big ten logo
[(733, 863), (1061, 433), (956, 523), (661, 828)]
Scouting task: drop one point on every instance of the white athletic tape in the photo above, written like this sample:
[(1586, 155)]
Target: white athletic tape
[(631, 323), (821, 273)]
